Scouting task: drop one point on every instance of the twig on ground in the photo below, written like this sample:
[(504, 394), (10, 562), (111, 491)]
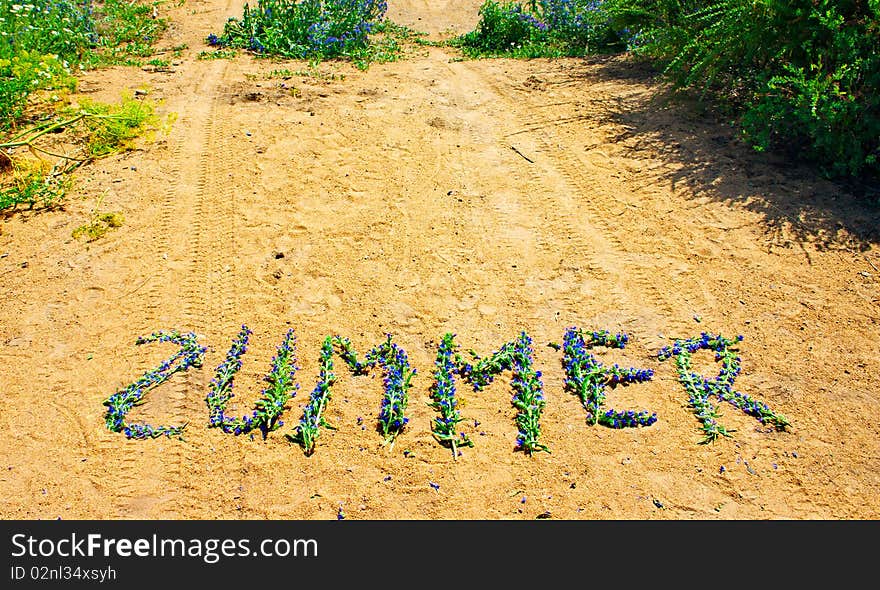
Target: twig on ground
[(525, 157)]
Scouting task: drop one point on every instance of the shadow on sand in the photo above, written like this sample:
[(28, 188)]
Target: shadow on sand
[(711, 160)]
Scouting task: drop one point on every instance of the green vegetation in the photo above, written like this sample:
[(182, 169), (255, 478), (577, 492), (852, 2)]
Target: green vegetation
[(98, 226), (219, 53), (542, 28), (30, 182), (25, 72), (159, 64), (112, 128), (312, 72), (317, 30), (124, 29), (42, 44), (802, 76), (95, 129)]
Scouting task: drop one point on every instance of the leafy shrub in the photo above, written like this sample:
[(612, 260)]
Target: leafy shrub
[(583, 25), (40, 43), (544, 28), (506, 28), (305, 29), (802, 75)]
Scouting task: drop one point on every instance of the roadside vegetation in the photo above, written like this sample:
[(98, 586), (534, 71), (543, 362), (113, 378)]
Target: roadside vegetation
[(44, 45), (801, 77), (316, 30)]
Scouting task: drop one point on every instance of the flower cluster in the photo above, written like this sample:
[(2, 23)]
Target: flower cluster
[(545, 28), (699, 388), (274, 397), (530, 20), (445, 427), (303, 28), (482, 372), (121, 402), (528, 395), (397, 377), (256, 45), (568, 15), (281, 387), (322, 40), (220, 390), (587, 377), (306, 433)]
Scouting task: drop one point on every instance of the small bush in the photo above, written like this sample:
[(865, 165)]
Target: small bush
[(802, 76), (544, 28), (583, 25), (38, 43), (14, 91), (506, 28), (311, 29)]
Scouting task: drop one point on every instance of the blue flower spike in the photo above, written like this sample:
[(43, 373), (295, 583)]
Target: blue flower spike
[(587, 378), (397, 380), (119, 404), (274, 397), (699, 389)]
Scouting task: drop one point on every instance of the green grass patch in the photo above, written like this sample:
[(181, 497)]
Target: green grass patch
[(124, 29), (43, 43), (313, 71), (159, 63), (219, 53)]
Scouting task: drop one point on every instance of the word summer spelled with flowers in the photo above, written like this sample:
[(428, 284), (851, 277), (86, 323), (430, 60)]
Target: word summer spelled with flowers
[(585, 377)]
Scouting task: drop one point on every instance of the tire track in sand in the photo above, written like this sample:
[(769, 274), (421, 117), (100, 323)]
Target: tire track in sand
[(209, 291), (578, 204), (594, 204), (144, 477)]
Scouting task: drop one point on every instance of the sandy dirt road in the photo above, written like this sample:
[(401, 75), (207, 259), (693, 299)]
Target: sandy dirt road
[(420, 197)]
